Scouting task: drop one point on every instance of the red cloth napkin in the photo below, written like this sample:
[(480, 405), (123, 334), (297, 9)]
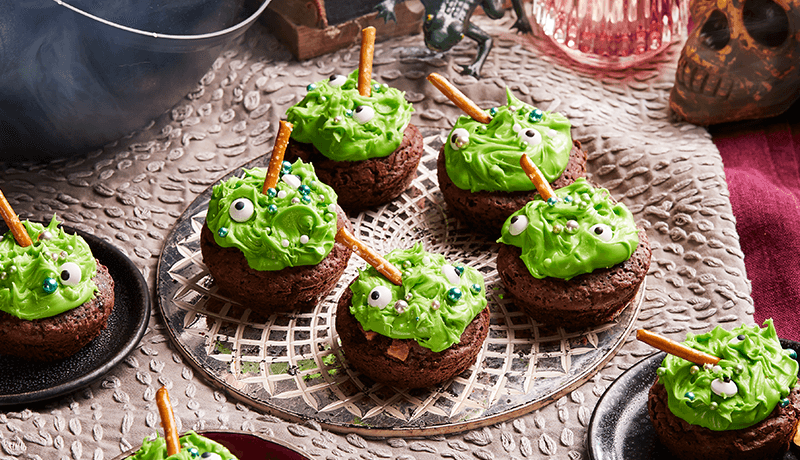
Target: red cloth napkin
[(762, 168)]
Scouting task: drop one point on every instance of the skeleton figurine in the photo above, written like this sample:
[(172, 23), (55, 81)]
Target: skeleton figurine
[(448, 21), (742, 61)]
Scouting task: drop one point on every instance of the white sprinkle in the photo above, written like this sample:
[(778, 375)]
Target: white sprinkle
[(332, 208), (295, 200), (551, 133), (517, 127), (292, 180), (285, 243), (304, 239), (282, 194)]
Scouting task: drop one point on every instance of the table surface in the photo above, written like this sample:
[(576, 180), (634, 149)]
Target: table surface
[(132, 191)]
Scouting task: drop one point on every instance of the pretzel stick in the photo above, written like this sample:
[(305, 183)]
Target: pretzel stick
[(383, 266), (459, 99), (167, 421), (365, 61), (675, 348), (274, 168), (16, 227), (536, 176)]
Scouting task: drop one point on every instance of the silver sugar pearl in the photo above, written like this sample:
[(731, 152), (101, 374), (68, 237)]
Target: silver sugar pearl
[(400, 306), (435, 304)]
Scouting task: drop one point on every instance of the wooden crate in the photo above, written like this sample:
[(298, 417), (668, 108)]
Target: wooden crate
[(304, 28)]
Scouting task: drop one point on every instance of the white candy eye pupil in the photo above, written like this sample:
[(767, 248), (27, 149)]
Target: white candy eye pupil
[(364, 114), (70, 273), (379, 296), (518, 224), (241, 209), (337, 80), (459, 139), (602, 231), (531, 136)]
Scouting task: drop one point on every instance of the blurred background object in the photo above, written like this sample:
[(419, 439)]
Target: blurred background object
[(77, 75), (611, 34), (311, 28), (740, 62)]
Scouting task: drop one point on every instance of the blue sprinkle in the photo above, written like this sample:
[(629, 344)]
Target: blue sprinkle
[(784, 402), (304, 189), (493, 111), (272, 209), (453, 295), (305, 199), (349, 113), (568, 199), (311, 87), (222, 232), (792, 354), (272, 192), (552, 201), (194, 452), (459, 269), (536, 115), (49, 285), (475, 288), (689, 395)]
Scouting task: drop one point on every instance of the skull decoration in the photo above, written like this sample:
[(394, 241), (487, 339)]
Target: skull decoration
[(741, 61)]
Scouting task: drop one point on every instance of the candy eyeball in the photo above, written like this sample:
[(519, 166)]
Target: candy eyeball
[(530, 136), (459, 138), (518, 225), (602, 231), (70, 273), (364, 114), (210, 456), (724, 387), (379, 297), (737, 340), (337, 80), (451, 274), (241, 209)]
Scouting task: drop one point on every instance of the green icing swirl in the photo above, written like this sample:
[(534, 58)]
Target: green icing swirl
[(551, 248), (157, 449), (425, 286), (325, 118), (276, 240), (765, 375), (24, 272), (490, 161)]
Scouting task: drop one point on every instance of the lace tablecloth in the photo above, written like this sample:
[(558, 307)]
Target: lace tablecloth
[(132, 191)]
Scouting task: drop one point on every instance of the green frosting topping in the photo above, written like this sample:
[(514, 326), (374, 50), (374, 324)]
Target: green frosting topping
[(760, 371), (346, 126), (193, 446), (436, 302), (485, 157), (583, 231), (47, 278), (290, 225)]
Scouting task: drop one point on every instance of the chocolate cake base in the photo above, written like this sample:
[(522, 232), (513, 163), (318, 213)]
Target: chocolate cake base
[(585, 300), (492, 209), (422, 368), (273, 291), (63, 335), (765, 440), (365, 184)]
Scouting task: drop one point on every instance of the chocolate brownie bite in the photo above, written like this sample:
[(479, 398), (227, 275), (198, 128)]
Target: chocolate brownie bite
[(417, 335), (55, 297), (364, 147), (746, 407), (574, 262), (274, 251), (478, 166)]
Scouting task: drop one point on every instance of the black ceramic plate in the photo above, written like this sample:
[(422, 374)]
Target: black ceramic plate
[(620, 427), (23, 381)]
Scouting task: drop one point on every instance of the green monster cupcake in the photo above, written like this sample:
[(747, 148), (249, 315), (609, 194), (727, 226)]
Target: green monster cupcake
[(478, 166), (55, 297), (745, 407), (193, 447), (576, 260), (364, 147), (420, 333), (274, 251)]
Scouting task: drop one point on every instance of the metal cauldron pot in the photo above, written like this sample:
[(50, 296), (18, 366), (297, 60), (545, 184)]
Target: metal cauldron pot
[(76, 76)]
